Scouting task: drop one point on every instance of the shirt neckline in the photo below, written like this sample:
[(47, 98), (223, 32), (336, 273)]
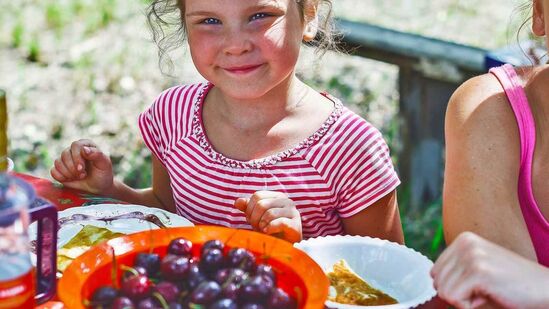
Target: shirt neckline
[(199, 132)]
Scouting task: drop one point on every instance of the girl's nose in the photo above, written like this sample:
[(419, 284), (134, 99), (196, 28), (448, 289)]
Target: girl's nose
[(237, 42)]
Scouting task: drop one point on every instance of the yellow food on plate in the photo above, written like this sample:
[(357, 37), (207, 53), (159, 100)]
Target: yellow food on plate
[(88, 237), (353, 290)]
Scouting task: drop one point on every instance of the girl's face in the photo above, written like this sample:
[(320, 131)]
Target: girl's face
[(245, 48)]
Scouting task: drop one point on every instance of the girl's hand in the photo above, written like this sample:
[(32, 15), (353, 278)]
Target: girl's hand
[(272, 213), (85, 167), (473, 271)]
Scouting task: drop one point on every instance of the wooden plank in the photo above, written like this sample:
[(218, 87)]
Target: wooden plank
[(429, 72), (399, 48), (422, 110)]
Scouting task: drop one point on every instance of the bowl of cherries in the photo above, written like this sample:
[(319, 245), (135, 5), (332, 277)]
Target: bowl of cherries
[(194, 267)]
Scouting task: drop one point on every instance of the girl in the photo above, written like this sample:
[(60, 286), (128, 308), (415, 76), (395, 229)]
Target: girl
[(496, 185), (254, 147)]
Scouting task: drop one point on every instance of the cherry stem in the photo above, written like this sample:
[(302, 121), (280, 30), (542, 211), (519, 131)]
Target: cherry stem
[(114, 270), (130, 269), (161, 300)]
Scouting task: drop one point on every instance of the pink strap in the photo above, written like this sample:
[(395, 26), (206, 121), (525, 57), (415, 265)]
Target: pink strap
[(538, 227), (519, 103)]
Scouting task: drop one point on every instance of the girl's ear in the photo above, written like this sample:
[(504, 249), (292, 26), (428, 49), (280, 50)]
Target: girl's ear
[(538, 21), (311, 20)]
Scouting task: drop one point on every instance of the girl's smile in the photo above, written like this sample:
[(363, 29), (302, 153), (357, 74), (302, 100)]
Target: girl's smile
[(242, 70)]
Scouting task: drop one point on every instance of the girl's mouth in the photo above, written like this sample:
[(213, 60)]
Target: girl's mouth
[(243, 69)]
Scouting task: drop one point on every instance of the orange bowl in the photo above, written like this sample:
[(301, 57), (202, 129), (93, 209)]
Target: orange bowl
[(298, 274)]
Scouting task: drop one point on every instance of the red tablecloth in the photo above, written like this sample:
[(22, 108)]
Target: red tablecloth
[(64, 198)]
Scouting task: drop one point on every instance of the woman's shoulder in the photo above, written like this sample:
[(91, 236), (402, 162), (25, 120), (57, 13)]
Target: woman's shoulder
[(480, 126), (480, 104), (479, 91)]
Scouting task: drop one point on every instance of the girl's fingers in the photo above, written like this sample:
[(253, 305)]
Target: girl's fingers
[(78, 161), (67, 160), (57, 175), (287, 228), (478, 301), (241, 204), (96, 157), (261, 207), (262, 195), (272, 214), (62, 169)]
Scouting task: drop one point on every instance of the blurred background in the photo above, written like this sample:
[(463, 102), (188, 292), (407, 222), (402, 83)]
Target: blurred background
[(86, 68)]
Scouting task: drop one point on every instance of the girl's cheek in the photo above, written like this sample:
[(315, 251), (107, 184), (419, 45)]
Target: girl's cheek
[(203, 39)]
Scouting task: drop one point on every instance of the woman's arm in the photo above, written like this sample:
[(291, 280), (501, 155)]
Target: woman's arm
[(473, 271), (482, 166), (381, 220)]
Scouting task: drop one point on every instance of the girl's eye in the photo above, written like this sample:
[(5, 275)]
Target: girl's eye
[(211, 21), (259, 16)]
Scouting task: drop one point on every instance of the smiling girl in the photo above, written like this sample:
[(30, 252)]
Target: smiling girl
[(253, 147)]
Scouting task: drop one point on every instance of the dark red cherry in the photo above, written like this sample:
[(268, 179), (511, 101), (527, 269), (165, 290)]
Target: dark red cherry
[(256, 289), (241, 258), (122, 302), (211, 261), (104, 296), (175, 268), (136, 287), (281, 300), (206, 293), (266, 270), (168, 290), (224, 303), (149, 261), (180, 246), (212, 244)]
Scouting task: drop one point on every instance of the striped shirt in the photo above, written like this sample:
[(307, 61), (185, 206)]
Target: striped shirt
[(335, 173)]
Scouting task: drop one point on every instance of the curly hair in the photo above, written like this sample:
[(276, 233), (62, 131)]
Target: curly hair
[(167, 24), (525, 9)]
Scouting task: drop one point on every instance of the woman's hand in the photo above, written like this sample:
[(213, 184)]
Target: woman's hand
[(473, 271), (85, 167), (272, 213)]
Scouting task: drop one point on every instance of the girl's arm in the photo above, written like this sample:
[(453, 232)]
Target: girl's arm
[(159, 195), (482, 166), (381, 220), (84, 166)]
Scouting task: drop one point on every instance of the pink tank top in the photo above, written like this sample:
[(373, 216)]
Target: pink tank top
[(538, 226)]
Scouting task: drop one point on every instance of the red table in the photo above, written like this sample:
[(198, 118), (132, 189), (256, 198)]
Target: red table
[(64, 198)]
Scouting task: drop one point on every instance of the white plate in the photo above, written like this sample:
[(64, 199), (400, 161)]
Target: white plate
[(127, 226), (394, 269)]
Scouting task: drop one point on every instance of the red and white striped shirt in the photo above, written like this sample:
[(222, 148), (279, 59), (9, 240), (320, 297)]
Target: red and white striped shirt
[(335, 173)]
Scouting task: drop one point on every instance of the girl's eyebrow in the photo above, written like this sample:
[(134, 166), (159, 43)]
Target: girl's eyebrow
[(199, 13), (258, 7)]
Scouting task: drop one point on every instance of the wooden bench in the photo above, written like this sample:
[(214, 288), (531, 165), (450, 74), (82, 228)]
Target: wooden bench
[(429, 72)]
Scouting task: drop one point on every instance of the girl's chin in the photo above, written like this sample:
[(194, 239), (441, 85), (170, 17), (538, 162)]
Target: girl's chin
[(243, 91)]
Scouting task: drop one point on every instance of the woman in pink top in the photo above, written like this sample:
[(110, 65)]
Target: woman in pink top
[(497, 186)]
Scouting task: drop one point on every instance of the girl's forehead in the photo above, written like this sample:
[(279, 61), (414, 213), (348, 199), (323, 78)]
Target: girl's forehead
[(192, 4)]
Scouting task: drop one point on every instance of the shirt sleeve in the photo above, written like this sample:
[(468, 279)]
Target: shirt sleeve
[(372, 177), (152, 126)]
